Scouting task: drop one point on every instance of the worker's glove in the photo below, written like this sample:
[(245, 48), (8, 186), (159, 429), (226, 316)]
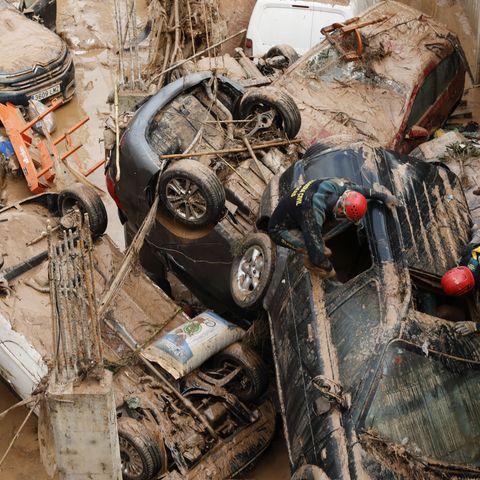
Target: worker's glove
[(466, 328), (391, 201)]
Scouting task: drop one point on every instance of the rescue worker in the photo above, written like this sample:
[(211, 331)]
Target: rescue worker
[(463, 279), (298, 220)]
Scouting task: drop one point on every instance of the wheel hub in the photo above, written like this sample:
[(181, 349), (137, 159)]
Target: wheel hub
[(250, 270), (186, 199)]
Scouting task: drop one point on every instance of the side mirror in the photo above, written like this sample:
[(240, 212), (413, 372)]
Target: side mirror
[(417, 132)]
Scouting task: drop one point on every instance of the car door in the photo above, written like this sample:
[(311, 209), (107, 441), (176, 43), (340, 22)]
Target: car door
[(278, 23), (432, 101)]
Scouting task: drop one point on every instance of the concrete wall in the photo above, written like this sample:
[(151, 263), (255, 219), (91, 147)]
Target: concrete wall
[(460, 16)]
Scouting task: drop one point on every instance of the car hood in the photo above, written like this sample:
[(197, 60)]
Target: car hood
[(39, 46)]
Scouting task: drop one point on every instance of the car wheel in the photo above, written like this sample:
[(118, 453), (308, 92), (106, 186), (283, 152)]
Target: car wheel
[(310, 472), (139, 454), (252, 380), (264, 99), (315, 149), (87, 201), (192, 193), (252, 271), (285, 51)]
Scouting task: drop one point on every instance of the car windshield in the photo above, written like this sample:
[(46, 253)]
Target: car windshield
[(430, 404), (352, 93)]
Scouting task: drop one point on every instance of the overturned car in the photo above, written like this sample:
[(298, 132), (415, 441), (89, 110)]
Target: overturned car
[(201, 410), (210, 171), (373, 380)]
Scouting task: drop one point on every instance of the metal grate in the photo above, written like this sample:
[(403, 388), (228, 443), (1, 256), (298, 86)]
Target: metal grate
[(76, 328)]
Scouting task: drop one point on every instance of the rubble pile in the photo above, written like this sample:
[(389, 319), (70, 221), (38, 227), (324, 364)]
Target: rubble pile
[(179, 29)]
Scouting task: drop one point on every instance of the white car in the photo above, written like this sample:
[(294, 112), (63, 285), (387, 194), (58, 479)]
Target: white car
[(292, 22)]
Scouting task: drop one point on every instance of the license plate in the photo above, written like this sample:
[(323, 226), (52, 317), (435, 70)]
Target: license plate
[(46, 93)]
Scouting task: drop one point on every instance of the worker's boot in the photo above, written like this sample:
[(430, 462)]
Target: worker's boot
[(319, 271)]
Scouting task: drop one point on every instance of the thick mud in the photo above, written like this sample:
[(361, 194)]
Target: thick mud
[(23, 461)]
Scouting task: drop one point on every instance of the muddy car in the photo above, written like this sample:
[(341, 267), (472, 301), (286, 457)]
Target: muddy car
[(203, 416), (42, 69), (391, 76), (373, 381), (44, 11), (208, 202)]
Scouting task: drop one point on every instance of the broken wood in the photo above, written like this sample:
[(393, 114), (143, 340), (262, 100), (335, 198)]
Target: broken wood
[(17, 434), (198, 54), (17, 405), (129, 258), (261, 146), (252, 154)]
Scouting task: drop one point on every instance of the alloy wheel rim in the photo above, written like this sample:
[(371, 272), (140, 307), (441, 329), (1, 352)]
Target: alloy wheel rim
[(186, 199), (250, 270)]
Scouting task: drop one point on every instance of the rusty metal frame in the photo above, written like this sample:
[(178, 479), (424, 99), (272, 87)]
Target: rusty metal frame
[(76, 327), (337, 31), (38, 159)]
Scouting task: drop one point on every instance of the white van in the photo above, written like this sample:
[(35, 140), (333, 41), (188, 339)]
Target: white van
[(292, 22)]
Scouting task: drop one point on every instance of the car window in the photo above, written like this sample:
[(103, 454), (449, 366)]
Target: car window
[(419, 395), (351, 253), (435, 83), (354, 324), (327, 65)]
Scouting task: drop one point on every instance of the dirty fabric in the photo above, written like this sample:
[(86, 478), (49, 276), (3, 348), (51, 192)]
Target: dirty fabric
[(306, 209)]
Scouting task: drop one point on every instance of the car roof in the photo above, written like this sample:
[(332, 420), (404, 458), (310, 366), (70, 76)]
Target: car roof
[(412, 38), (434, 222)]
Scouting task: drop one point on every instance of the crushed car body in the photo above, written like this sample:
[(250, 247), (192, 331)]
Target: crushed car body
[(209, 202), (392, 76), (373, 383), (214, 417)]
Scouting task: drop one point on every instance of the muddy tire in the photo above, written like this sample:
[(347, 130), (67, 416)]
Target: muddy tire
[(140, 456), (252, 270), (260, 99), (310, 472), (88, 201), (252, 381), (192, 193), (285, 51), (315, 149)]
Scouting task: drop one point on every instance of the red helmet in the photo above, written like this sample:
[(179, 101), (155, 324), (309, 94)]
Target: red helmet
[(458, 281), (352, 205)]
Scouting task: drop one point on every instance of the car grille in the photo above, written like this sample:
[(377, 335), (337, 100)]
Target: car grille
[(33, 81)]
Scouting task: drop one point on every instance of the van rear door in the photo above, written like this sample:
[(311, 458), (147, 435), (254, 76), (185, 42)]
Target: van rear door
[(278, 23)]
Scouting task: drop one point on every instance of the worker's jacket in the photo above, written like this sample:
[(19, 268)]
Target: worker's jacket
[(298, 220), (471, 257)]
